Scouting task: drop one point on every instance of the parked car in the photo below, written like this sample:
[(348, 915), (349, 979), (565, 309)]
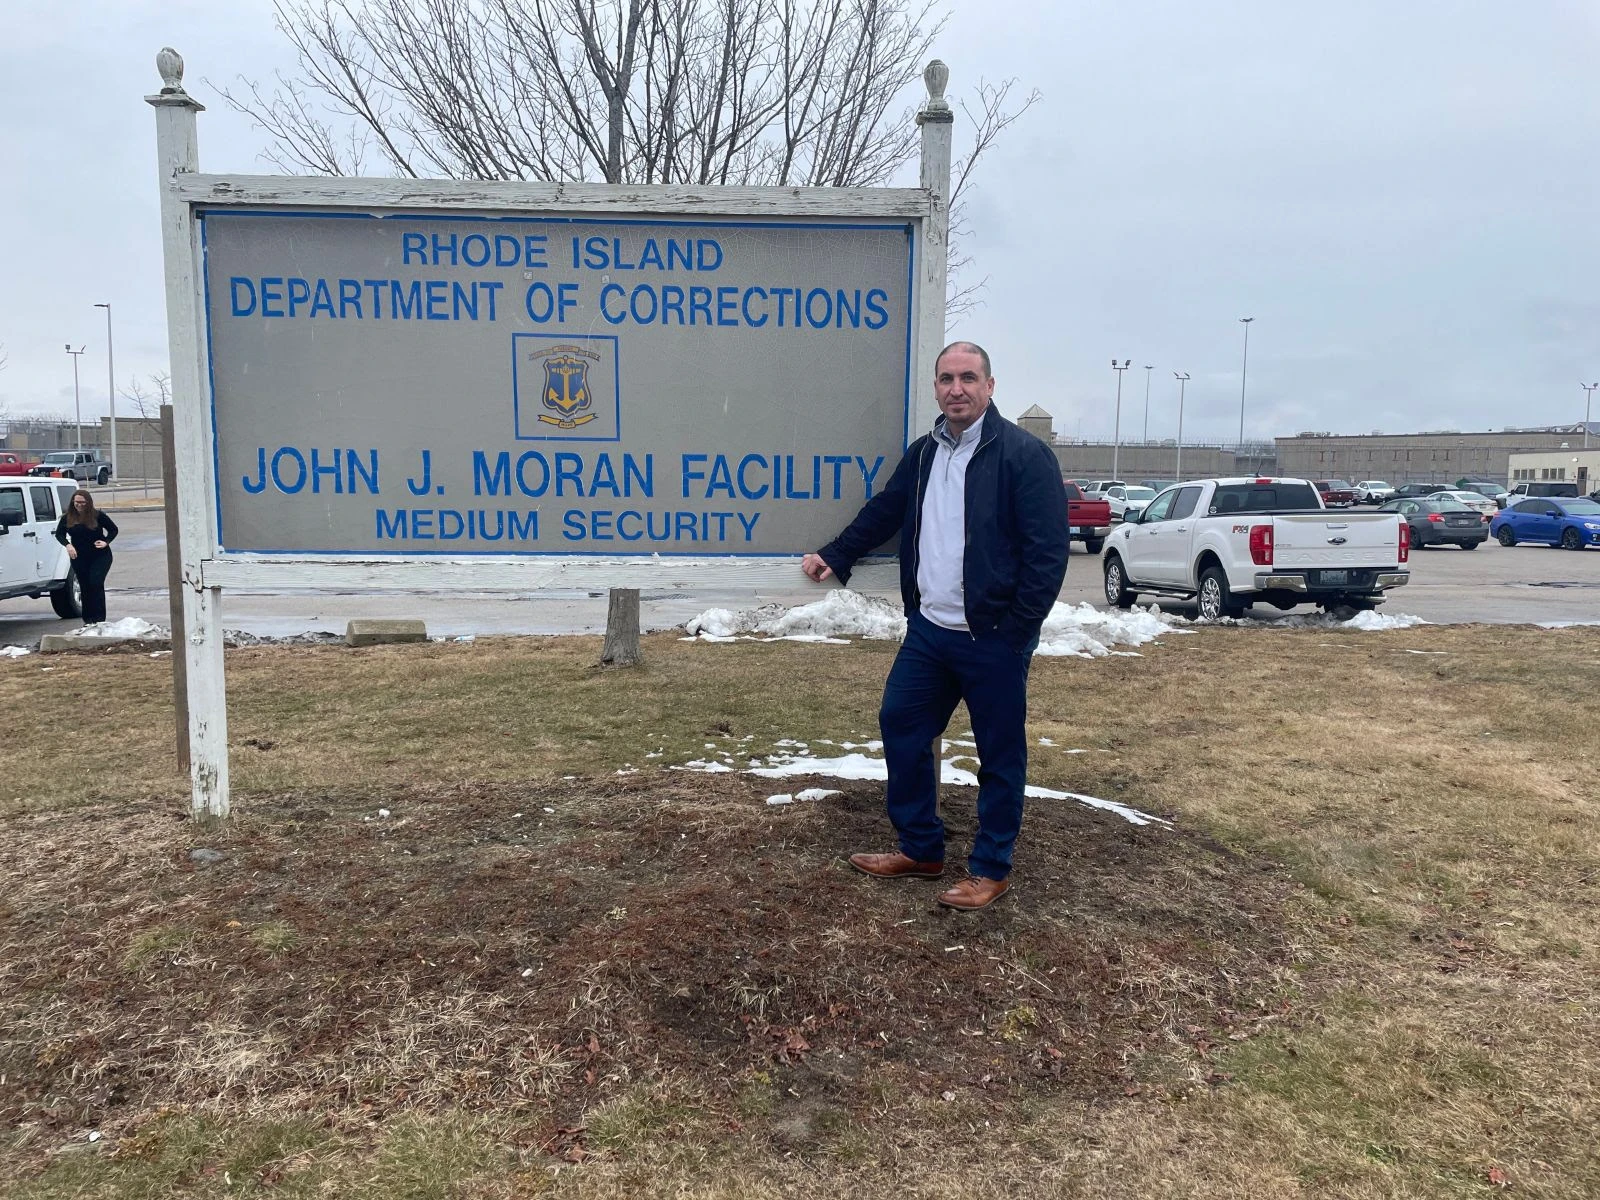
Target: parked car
[(1231, 543), (1089, 520), (1473, 500), (1537, 487), (1569, 522), (1336, 493), (1438, 522), (1127, 500), (1484, 487), (1373, 491), (1157, 485), (12, 464), (1417, 489), (32, 562), (73, 464), (1098, 487)]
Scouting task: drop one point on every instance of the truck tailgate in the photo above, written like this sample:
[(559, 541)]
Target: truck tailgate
[(1329, 539)]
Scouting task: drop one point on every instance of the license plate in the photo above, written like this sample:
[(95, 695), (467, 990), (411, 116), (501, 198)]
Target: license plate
[(1336, 577)]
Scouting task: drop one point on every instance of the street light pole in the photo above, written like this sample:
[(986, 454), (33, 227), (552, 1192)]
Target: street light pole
[(111, 389), (77, 405), (1116, 439), (1244, 368), (1183, 379), (1147, 371), (1588, 395)]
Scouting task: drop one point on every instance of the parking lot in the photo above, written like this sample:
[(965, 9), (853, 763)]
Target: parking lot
[(1496, 584)]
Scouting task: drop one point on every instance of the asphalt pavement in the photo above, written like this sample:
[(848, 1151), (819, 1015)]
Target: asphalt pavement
[(1494, 584)]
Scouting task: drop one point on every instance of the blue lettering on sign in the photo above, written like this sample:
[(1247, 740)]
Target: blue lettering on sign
[(570, 473), (289, 471)]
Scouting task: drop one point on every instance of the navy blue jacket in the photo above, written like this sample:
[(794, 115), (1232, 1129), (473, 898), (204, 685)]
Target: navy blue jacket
[(1016, 536)]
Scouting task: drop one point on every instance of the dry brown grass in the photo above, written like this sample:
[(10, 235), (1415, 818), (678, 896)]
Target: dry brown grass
[(1363, 964)]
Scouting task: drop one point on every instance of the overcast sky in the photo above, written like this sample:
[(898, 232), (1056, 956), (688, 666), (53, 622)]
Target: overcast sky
[(1402, 193)]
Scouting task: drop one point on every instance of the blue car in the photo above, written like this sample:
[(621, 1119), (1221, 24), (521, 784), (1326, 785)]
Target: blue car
[(1569, 522)]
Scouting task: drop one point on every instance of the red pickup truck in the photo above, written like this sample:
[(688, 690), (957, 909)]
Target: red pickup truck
[(1090, 520), (1336, 493), (12, 464)]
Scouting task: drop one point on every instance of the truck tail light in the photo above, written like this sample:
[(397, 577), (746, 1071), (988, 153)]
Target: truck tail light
[(1405, 542), (1261, 545)]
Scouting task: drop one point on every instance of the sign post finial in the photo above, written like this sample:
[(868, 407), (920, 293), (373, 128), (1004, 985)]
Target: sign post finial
[(170, 63)]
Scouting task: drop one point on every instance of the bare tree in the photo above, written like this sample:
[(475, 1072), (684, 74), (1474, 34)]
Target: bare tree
[(767, 92), (146, 399)]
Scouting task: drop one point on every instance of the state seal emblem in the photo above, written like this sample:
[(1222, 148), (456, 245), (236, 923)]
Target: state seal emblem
[(566, 387)]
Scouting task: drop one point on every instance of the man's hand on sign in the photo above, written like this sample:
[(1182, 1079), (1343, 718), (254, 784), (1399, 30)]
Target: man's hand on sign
[(815, 568)]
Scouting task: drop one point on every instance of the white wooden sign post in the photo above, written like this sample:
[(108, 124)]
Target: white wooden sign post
[(452, 385)]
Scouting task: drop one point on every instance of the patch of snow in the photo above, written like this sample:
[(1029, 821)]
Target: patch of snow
[(1131, 815), (862, 767), (128, 627), (14, 651), (700, 764), (1375, 620), (785, 798), (1071, 630), (1368, 620), (817, 793), (1044, 741)]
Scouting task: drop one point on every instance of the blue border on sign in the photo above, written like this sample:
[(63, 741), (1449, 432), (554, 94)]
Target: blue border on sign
[(616, 379), (202, 214)]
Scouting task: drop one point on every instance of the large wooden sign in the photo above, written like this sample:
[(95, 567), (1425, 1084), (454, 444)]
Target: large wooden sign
[(447, 385), (425, 383)]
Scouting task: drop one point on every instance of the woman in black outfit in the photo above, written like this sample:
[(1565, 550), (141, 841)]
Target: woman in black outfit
[(87, 533)]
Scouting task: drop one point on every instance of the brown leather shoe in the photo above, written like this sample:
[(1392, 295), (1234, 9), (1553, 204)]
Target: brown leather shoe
[(973, 893), (896, 866)]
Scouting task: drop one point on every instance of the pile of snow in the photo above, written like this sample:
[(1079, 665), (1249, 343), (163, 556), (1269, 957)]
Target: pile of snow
[(14, 651), (1084, 631), (1081, 630), (128, 627), (839, 614)]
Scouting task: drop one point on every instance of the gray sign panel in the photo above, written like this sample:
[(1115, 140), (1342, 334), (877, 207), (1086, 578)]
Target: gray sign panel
[(427, 384)]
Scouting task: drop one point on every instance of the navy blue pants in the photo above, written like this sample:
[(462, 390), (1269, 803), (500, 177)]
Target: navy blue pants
[(936, 669)]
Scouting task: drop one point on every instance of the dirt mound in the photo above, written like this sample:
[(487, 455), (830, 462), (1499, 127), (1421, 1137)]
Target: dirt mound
[(544, 947)]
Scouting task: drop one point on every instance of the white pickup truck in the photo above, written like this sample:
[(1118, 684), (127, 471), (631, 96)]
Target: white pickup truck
[(1231, 543)]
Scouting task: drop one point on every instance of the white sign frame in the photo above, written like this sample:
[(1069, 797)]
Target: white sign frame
[(207, 570)]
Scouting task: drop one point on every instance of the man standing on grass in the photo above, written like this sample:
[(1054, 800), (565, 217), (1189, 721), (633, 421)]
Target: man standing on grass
[(982, 518)]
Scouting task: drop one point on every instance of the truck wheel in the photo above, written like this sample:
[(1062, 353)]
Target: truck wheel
[(1093, 545), (105, 474), (67, 599), (1506, 537), (1216, 601), (1117, 593), (1571, 539)]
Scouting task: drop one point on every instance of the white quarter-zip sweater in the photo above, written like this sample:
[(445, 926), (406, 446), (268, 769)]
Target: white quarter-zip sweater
[(942, 538)]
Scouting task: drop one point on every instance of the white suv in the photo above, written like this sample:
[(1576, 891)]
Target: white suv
[(32, 562)]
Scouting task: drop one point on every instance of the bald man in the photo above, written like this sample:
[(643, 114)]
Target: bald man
[(982, 518)]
